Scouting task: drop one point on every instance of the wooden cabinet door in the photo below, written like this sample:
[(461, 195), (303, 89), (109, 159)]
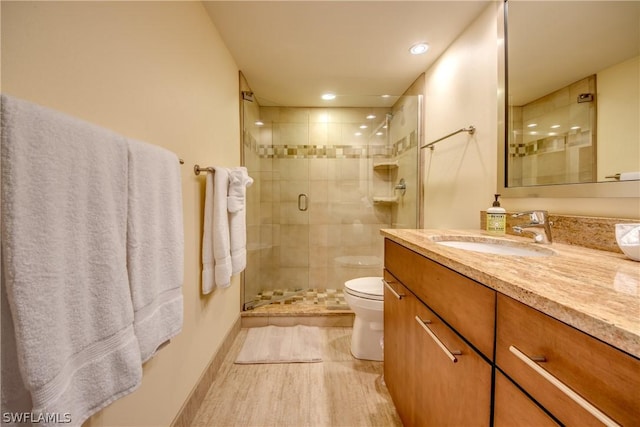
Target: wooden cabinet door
[(452, 389), (513, 408), (399, 356)]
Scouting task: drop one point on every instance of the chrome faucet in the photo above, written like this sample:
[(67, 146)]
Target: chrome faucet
[(539, 225)]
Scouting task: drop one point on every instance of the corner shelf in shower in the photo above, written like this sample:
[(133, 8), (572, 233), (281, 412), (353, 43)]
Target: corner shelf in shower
[(386, 165), (385, 200)]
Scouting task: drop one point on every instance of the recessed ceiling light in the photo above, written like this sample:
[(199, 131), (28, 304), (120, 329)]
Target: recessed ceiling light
[(419, 48), (328, 96), (575, 127), (259, 123), (555, 126), (379, 133), (552, 134), (385, 96), (532, 125), (358, 134), (371, 116), (363, 126)]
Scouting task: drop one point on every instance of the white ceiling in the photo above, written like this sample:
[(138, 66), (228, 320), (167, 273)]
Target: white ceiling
[(292, 51)]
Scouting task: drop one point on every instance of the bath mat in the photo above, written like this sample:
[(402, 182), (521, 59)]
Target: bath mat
[(278, 344)]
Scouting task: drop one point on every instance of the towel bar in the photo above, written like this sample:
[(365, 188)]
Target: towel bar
[(197, 169), (471, 130)]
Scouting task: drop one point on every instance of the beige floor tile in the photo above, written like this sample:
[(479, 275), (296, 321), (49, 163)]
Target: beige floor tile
[(339, 391)]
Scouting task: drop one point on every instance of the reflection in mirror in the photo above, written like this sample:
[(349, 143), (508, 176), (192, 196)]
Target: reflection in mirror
[(573, 74), (553, 138)]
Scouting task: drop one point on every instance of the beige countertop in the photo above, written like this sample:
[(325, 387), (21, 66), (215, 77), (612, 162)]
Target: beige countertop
[(595, 291)]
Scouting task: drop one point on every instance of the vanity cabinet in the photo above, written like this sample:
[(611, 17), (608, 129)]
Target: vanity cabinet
[(530, 343), (434, 375), (441, 369)]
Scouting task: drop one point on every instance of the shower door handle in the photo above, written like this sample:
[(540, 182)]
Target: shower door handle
[(303, 206)]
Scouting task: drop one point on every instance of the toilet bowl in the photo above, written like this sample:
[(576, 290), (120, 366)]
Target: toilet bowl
[(365, 297)]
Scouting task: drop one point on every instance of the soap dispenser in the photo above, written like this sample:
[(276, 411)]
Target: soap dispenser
[(496, 218)]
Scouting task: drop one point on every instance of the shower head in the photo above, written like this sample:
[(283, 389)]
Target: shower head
[(247, 95)]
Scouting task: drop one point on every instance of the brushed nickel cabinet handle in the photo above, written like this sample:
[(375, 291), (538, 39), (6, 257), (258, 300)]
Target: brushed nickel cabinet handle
[(393, 291), (450, 354), (585, 404), (300, 204)]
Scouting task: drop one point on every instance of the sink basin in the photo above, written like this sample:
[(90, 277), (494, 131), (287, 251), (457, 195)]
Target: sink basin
[(489, 245)]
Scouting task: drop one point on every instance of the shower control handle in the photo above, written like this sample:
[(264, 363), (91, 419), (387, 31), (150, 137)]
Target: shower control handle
[(303, 206)]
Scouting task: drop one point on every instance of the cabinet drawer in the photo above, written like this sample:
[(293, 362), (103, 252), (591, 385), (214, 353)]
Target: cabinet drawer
[(605, 377), (466, 305), (513, 408)]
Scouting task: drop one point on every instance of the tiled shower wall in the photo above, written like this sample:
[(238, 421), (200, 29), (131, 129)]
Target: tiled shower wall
[(318, 153), (553, 138)]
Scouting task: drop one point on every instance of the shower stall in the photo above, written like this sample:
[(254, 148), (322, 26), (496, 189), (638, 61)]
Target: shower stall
[(326, 180)]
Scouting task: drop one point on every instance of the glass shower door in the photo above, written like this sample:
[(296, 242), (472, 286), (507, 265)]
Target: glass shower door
[(278, 207)]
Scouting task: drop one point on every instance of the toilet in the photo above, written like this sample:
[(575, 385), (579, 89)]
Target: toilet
[(365, 297)]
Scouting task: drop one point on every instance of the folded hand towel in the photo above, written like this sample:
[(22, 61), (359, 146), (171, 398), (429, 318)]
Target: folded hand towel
[(239, 180), (64, 228), (216, 233), (208, 261), (155, 244)]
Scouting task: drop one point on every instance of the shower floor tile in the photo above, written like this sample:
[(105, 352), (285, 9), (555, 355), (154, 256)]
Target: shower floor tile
[(308, 301)]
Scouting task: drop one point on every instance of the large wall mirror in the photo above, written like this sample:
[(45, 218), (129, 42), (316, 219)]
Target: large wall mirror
[(571, 118)]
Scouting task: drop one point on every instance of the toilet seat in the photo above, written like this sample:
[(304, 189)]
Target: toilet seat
[(365, 287)]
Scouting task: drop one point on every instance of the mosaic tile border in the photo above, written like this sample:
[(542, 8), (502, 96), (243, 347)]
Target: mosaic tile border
[(332, 299), (330, 151)]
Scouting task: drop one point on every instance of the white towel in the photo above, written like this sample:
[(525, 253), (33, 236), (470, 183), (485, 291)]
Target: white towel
[(64, 200), (629, 176), (208, 261), (216, 248), (239, 180), (155, 245)]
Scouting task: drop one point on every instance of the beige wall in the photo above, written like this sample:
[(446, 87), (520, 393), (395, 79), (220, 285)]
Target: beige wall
[(460, 174), (619, 119), (158, 72)]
